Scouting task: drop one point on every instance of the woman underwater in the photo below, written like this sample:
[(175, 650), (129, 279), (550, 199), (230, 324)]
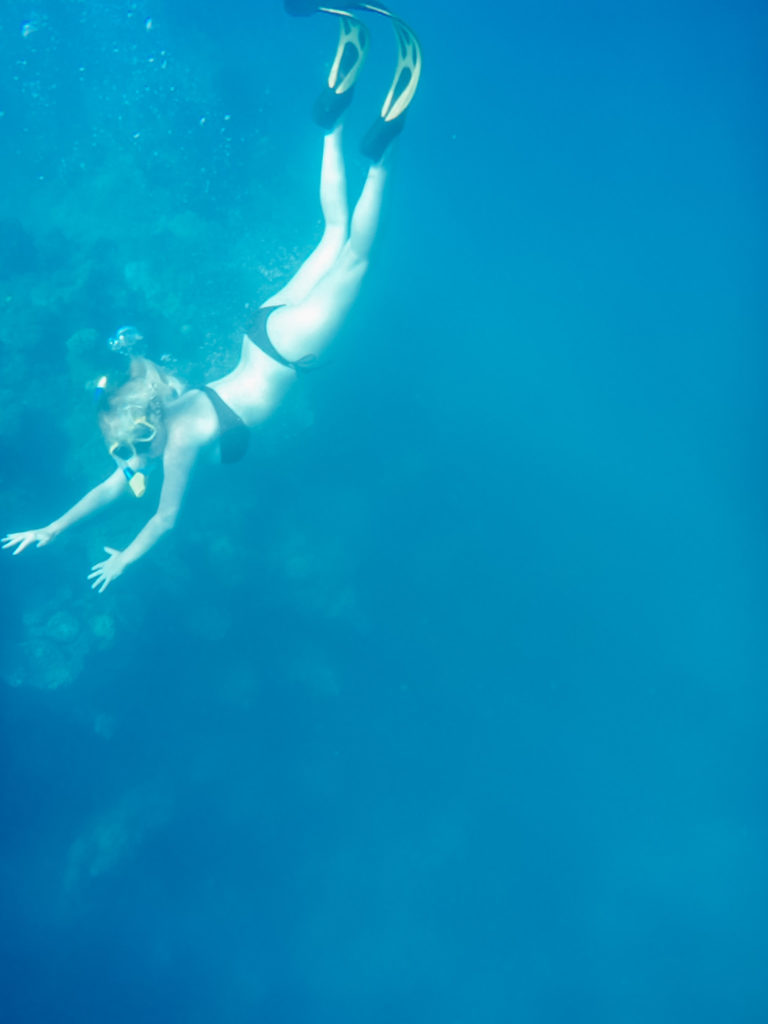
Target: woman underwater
[(151, 419)]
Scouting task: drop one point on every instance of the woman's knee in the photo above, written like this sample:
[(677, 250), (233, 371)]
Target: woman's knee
[(352, 260), (335, 237)]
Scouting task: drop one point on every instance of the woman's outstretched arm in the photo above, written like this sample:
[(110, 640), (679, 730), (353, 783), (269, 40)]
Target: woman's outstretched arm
[(178, 462), (99, 497)]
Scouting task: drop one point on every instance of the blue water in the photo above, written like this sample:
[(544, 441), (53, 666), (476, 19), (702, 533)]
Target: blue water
[(450, 703)]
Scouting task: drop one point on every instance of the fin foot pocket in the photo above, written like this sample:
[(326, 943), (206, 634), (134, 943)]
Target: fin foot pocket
[(329, 106), (379, 136)]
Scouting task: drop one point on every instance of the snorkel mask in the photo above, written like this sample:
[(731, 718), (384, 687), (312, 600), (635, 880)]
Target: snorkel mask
[(123, 451)]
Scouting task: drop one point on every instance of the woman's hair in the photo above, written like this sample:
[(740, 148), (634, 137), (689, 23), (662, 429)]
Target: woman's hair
[(143, 397)]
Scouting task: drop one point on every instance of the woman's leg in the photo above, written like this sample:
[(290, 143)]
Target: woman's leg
[(333, 203), (306, 327)]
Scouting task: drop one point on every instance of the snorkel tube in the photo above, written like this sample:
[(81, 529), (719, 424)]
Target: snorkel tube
[(99, 390)]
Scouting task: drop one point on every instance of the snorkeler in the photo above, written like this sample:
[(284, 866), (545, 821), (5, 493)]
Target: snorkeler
[(151, 420)]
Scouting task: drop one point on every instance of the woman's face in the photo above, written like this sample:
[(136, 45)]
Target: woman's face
[(136, 436)]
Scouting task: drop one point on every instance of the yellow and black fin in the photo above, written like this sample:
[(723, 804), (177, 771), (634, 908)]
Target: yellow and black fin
[(353, 43), (405, 81), (350, 54)]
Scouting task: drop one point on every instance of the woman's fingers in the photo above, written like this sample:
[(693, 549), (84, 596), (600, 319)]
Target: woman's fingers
[(18, 540), (100, 580), (24, 539), (99, 574)]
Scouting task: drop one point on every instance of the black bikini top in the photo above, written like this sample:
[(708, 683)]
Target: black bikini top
[(234, 435)]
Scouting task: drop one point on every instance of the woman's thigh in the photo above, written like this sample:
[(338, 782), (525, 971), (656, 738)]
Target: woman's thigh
[(307, 327), (314, 268)]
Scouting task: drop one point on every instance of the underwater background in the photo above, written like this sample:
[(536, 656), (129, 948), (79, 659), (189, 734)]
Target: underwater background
[(449, 703)]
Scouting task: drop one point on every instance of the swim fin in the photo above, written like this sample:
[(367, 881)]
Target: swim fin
[(402, 90), (350, 54), (353, 43)]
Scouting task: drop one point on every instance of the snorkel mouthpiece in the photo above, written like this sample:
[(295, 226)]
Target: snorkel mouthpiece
[(121, 452), (136, 481)]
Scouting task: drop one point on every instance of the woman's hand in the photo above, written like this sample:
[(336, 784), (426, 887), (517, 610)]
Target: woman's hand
[(22, 540), (106, 571)]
